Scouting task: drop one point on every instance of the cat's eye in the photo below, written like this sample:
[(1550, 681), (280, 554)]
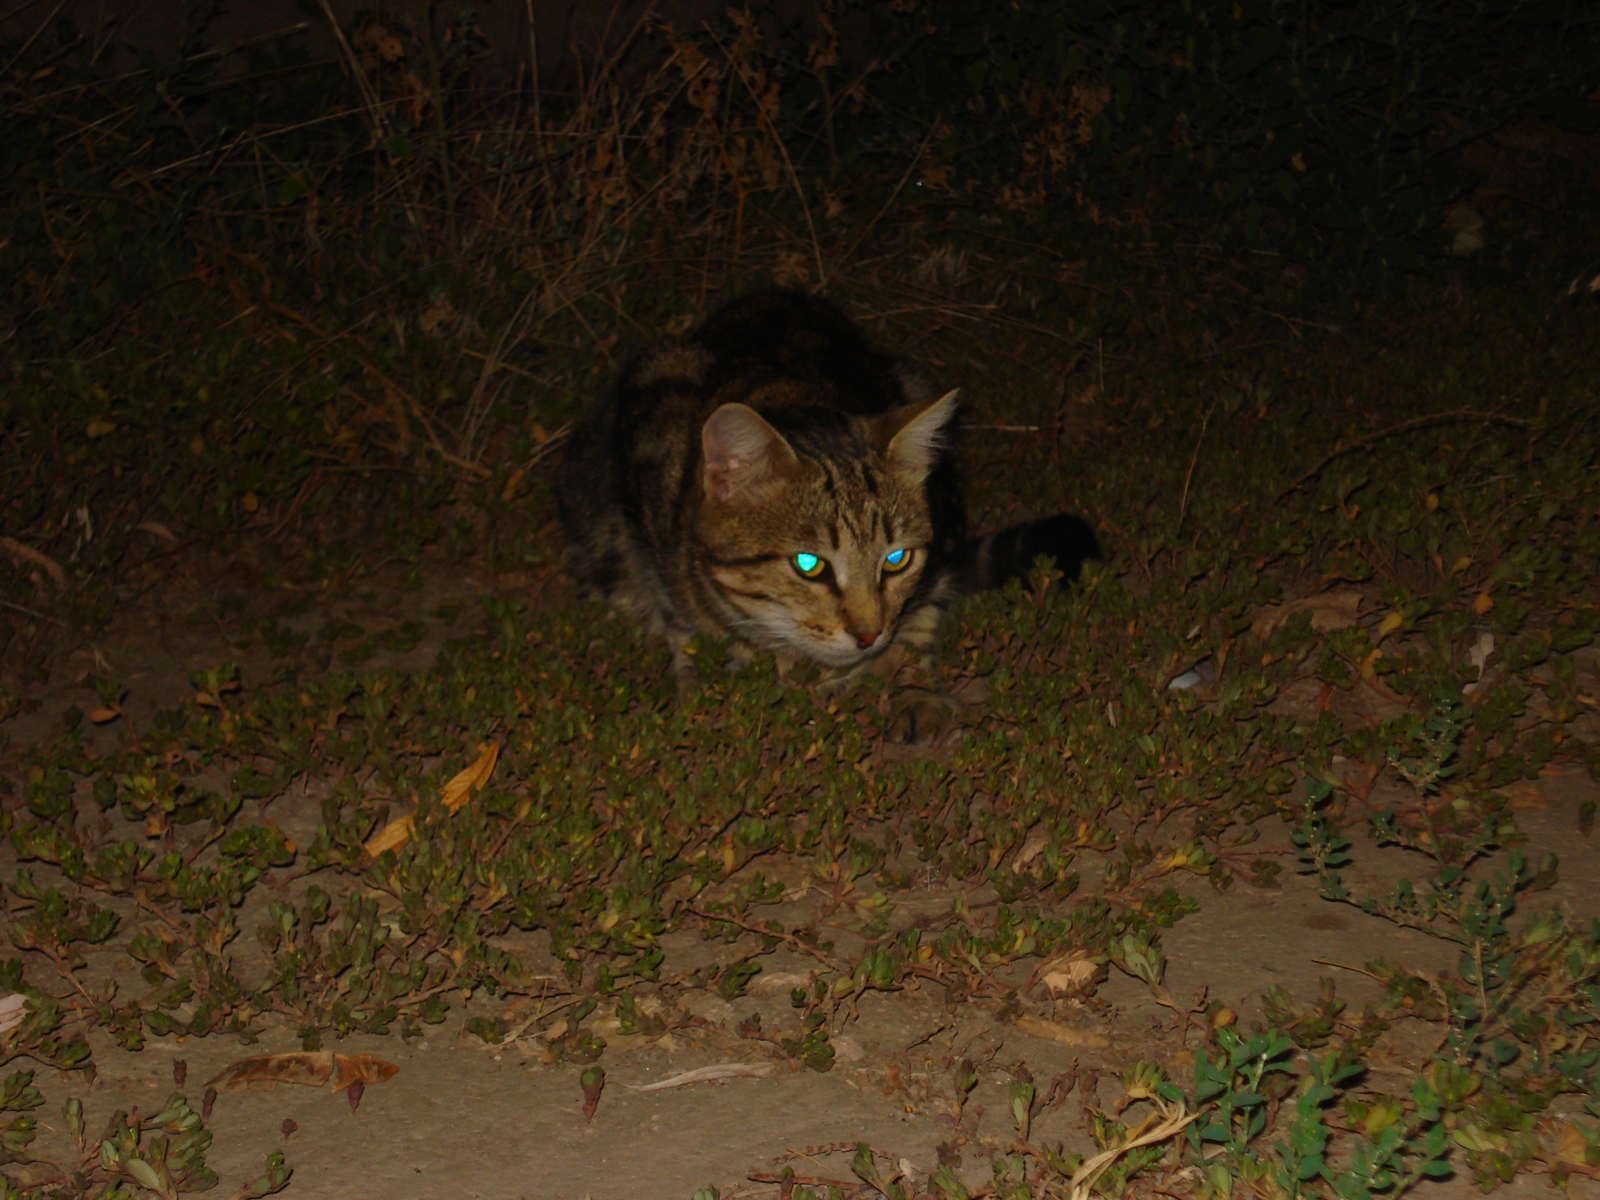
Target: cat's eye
[(809, 565), (896, 560)]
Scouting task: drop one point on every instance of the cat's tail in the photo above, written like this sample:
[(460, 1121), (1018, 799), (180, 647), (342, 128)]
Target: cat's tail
[(992, 560)]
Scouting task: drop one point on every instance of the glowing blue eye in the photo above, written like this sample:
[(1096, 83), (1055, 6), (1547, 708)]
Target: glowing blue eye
[(809, 565), (896, 560)]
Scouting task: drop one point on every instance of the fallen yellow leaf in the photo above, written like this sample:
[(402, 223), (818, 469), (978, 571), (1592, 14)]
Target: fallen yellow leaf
[(391, 837), (365, 1067), (459, 790)]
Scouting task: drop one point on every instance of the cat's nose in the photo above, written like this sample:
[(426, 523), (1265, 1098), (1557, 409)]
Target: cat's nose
[(863, 622)]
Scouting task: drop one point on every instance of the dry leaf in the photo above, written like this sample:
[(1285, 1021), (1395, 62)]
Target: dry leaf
[(1071, 974), (1571, 1148), (391, 837), (157, 528), (513, 482), (360, 1068), (459, 790), (13, 1010), (1326, 611), (456, 793), (1481, 649), (1525, 794), (308, 1068), (1030, 850), (1478, 656), (1065, 1035), (703, 1074), (100, 716), (28, 554)]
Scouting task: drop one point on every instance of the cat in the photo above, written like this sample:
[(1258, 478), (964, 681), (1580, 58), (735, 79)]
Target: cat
[(775, 480)]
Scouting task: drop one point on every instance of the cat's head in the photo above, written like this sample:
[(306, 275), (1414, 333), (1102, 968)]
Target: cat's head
[(815, 541)]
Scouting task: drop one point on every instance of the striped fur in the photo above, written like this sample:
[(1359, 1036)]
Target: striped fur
[(775, 480)]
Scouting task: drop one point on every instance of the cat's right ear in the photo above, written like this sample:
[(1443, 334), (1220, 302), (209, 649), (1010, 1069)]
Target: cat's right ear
[(741, 453), (916, 434)]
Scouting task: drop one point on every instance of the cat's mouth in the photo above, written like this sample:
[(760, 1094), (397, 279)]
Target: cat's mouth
[(842, 651)]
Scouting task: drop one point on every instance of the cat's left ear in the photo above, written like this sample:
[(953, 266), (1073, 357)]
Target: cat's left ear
[(915, 433)]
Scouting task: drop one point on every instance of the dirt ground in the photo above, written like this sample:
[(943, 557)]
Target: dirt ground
[(461, 1120)]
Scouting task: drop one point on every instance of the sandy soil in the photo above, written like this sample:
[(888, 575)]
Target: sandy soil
[(461, 1120)]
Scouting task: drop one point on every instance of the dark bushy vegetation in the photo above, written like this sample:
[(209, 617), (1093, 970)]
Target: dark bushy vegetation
[(1330, 135)]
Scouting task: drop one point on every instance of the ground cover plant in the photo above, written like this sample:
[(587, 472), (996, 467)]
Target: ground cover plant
[(349, 349)]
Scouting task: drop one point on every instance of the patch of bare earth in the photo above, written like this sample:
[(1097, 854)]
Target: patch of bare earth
[(714, 1101)]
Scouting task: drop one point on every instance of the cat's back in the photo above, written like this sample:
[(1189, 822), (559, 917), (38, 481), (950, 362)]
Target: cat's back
[(780, 334), (790, 354)]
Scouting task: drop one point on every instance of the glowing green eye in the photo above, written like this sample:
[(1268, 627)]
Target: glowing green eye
[(896, 560), (809, 565)]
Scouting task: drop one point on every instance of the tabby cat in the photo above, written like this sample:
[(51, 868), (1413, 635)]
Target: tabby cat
[(775, 480)]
